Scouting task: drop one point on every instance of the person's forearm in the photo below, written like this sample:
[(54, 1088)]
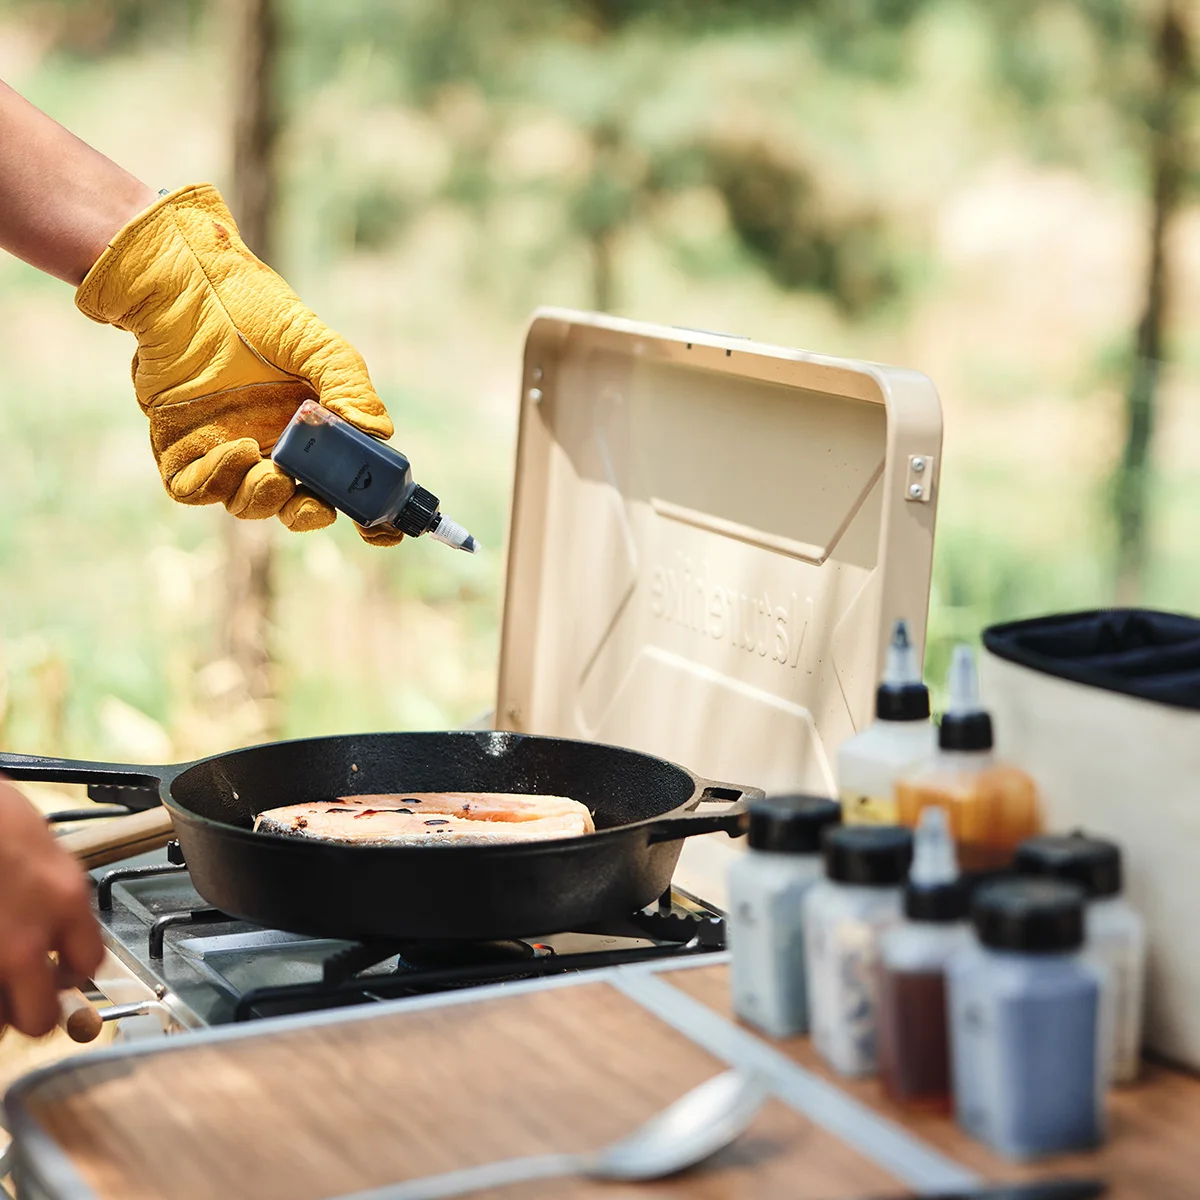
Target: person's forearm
[(60, 200)]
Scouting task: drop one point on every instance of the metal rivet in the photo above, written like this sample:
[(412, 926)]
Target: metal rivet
[(537, 374), (918, 465), (160, 990), (916, 491), (514, 713), (535, 394)]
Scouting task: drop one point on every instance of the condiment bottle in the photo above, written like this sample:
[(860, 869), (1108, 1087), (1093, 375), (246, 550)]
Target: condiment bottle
[(992, 806), (766, 887), (844, 914), (914, 1040), (1024, 1022), (1115, 941), (897, 742)]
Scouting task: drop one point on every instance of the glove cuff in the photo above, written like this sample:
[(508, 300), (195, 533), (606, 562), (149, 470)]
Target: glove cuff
[(102, 295)]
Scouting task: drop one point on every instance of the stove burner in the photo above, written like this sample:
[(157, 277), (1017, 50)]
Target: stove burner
[(420, 970), (434, 955)]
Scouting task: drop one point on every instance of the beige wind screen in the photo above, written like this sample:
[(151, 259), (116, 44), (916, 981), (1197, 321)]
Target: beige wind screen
[(710, 540)]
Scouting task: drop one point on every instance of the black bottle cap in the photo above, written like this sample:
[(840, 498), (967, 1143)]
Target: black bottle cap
[(902, 702), (937, 902), (418, 512), (791, 824), (965, 731), (1038, 916), (1093, 863), (867, 855)]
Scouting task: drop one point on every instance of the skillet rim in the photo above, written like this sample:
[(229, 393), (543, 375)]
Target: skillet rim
[(530, 849)]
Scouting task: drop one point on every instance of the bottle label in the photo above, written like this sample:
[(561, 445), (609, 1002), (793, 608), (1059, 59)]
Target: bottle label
[(858, 809)]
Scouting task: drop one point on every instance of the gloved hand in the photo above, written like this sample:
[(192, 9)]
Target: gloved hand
[(226, 353)]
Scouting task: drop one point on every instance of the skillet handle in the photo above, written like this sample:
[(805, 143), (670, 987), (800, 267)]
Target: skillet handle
[(69, 770), (122, 837), (731, 819)]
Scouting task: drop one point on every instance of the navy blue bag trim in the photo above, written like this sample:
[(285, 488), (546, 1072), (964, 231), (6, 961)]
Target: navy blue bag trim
[(1134, 651)]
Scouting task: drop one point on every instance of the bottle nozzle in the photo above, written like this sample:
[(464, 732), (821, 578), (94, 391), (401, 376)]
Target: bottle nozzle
[(934, 860), (453, 534), (901, 665), (962, 682)]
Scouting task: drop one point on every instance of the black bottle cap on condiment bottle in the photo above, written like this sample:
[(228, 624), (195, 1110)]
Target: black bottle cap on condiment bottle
[(902, 702), (939, 902), (1037, 916), (902, 696), (791, 823), (867, 855), (417, 513), (965, 731), (1093, 863)]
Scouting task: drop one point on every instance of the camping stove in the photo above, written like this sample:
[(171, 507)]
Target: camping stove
[(174, 963)]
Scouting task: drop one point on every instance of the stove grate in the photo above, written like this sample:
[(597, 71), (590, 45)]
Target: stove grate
[(310, 997)]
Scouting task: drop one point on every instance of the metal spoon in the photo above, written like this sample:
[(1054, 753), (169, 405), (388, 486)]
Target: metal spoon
[(692, 1129)]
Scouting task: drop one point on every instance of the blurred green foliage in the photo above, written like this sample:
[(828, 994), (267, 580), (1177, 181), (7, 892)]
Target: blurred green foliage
[(794, 171)]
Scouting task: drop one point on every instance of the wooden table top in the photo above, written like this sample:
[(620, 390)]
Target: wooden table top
[(397, 1093)]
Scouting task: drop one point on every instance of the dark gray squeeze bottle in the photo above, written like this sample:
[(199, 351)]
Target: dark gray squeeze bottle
[(362, 477), (1025, 1022)]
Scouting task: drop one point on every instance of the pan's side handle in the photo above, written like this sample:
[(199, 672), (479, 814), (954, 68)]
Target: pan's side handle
[(731, 819), (69, 770)]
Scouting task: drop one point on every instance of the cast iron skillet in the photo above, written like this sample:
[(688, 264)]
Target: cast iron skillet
[(643, 808)]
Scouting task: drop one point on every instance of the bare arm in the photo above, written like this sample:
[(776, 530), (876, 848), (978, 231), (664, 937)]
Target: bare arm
[(60, 200)]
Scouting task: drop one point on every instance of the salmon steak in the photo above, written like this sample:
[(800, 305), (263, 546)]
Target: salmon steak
[(430, 818)]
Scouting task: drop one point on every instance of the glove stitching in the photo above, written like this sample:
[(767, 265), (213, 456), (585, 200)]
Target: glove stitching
[(242, 387)]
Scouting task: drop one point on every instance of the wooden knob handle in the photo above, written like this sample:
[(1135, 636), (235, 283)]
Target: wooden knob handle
[(79, 1017), (111, 840)]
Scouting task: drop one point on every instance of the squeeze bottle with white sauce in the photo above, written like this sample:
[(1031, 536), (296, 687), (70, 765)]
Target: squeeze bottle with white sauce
[(844, 915), (992, 806), (899, 740), (1115, 942), (766, 887), (914, 1039), (1025, 1022)]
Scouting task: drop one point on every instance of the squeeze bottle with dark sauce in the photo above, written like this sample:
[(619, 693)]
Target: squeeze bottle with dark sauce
[(914, 1041), (361, 476)]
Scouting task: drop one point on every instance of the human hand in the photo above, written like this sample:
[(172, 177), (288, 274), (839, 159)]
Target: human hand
[(226, 354), (44, 907)]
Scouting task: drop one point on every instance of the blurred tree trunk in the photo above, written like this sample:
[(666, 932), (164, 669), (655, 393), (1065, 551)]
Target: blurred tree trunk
[(248, 575), (1168, 167)]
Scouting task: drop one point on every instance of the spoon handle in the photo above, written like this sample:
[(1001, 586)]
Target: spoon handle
[(477, 1179)]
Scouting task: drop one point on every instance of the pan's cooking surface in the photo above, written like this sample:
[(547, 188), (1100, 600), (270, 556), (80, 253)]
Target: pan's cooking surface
[(619, 786)]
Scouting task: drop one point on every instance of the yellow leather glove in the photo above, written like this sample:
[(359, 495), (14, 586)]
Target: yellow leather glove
[(226, 354)]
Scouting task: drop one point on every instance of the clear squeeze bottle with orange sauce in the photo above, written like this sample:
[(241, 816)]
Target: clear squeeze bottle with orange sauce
[(991, 806)]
